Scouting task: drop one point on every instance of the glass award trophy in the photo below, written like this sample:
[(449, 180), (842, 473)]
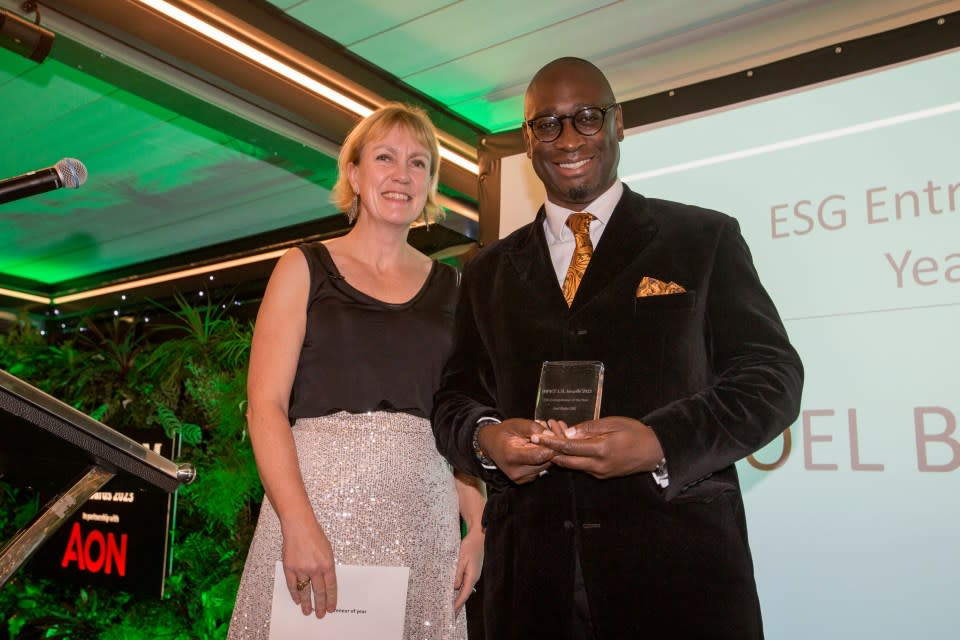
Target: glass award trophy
[(570, 390)]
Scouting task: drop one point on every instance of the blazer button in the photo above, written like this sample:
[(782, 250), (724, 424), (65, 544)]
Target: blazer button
[(567, 525)]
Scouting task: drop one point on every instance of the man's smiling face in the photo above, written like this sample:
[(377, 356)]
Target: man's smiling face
[(575, 168)]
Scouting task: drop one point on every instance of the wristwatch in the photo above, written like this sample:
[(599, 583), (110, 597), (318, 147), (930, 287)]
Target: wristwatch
[(660, 474), (478, 453)]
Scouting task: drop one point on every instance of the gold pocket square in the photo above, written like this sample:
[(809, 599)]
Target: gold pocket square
[(652, 287)]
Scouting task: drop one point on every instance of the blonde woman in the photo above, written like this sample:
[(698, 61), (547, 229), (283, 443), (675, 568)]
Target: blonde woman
[(349, 346)]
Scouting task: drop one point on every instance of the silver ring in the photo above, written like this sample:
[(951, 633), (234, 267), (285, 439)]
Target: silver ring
[(542, 473)]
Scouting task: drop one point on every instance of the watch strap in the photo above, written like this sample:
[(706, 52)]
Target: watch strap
[(478, 453)]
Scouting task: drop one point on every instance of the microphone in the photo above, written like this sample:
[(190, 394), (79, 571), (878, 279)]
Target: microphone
[(69, 173)]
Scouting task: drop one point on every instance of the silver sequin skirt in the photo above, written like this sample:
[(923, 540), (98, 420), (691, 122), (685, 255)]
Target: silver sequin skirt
[(384, 496)]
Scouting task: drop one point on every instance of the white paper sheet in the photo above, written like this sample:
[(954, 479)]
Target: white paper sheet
[(371, 603)]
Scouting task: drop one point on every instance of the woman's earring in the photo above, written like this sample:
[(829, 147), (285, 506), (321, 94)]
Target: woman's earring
[(354, 208)]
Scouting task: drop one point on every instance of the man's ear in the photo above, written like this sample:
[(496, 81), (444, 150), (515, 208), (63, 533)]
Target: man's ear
[(527, 140), (619, 119)]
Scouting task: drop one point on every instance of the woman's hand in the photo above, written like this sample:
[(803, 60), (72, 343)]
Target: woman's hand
[(309, 569), (469, 565)]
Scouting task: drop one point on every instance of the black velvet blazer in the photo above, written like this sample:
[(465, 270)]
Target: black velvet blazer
[(710, 370)]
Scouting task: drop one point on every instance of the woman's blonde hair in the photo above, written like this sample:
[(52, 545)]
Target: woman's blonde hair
[(378, 125)]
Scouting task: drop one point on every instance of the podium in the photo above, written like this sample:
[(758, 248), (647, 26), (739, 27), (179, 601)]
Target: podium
[(46, 443)]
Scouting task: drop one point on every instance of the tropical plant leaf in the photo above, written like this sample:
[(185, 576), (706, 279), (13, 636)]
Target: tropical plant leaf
[(191, 433), (100, 412)]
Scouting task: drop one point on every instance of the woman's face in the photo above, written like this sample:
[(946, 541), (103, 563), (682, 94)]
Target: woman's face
[(392, 177)]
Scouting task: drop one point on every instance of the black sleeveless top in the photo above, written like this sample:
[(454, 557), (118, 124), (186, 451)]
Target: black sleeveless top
[(361, 354)]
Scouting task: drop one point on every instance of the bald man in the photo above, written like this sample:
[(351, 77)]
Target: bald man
[(631, 525)]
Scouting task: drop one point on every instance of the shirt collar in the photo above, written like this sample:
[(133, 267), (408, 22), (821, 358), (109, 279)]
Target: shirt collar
[(601, 208)]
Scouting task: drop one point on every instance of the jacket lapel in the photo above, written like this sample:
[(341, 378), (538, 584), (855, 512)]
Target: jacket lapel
[(628, 232), (531, 258)]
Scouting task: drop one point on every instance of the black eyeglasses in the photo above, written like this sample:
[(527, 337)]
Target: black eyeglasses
[(587, 121)]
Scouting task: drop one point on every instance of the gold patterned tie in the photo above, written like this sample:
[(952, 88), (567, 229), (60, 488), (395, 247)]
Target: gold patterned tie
[(579, 223)]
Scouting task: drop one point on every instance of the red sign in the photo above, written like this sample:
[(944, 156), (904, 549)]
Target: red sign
[(118, 538), (96, 553)]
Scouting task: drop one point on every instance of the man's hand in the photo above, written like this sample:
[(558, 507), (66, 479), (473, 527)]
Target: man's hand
[(508, 445), (610, 447)]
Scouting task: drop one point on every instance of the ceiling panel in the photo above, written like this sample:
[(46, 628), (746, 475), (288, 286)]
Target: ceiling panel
[(415, 47), (352, 22)]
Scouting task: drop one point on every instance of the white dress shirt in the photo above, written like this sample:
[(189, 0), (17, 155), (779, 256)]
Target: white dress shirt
[(560, 240)]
